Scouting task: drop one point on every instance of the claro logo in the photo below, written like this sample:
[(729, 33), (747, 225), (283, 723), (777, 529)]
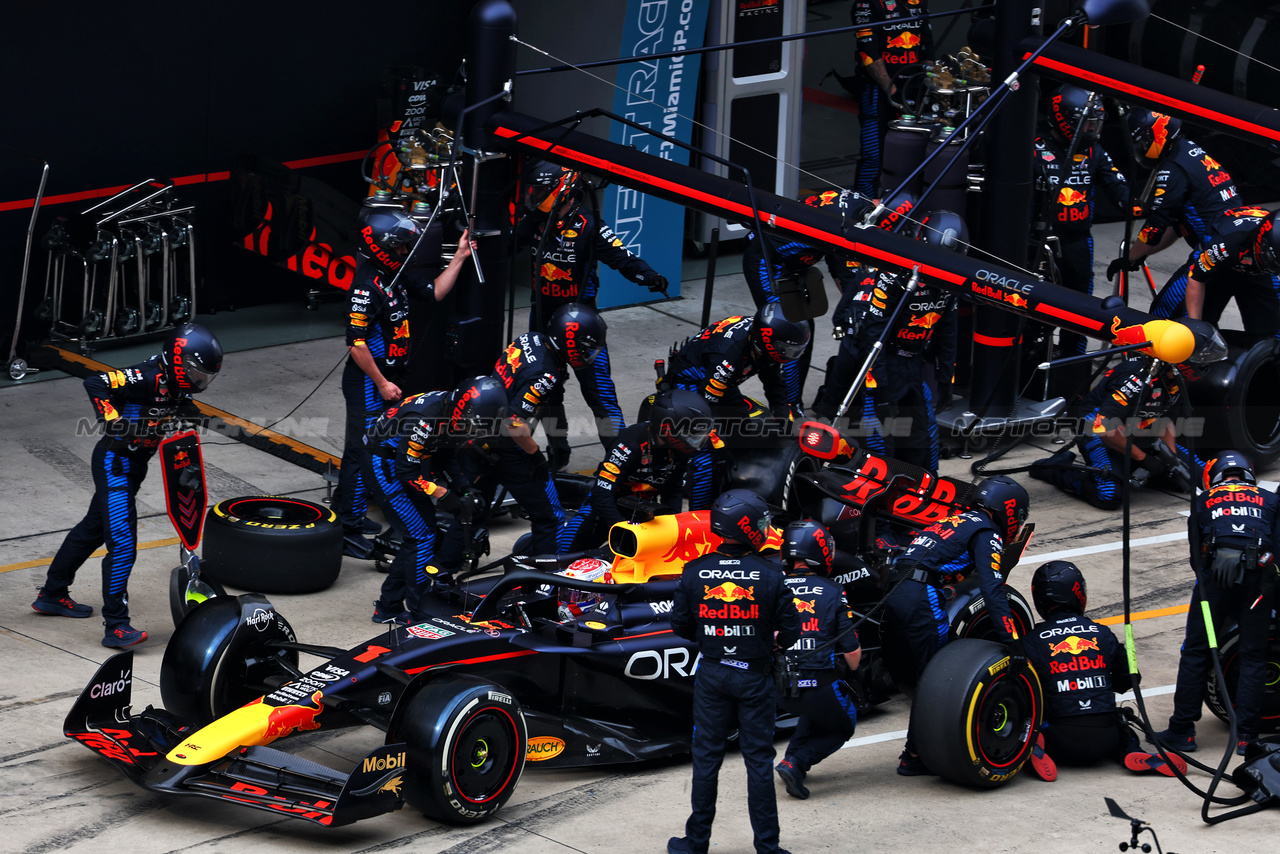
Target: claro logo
[(108, 689)]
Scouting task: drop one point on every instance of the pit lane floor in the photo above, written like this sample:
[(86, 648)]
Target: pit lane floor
[(57, 796)]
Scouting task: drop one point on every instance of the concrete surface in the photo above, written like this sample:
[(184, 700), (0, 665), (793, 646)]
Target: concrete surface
[(57, 796)]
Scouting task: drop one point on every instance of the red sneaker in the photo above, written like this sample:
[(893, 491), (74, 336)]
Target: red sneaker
[(1042, 763), (1143, 762)]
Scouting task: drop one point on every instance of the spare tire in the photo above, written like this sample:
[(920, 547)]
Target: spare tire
[(1229, 650), (1237, 400), (971, 722), (272, 544)]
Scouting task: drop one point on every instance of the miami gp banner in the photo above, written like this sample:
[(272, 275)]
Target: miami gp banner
[(660, 95)]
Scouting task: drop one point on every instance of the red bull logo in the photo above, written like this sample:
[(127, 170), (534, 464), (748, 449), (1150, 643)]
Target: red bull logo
[(728, 592), (925, 321), (905, 41), (401, 331), (1073, 645), (1016, 299), (805, 606), (1159, 136), (552, 273), (1123, 336), (1210, 164), (693, 538), (1068, 196)]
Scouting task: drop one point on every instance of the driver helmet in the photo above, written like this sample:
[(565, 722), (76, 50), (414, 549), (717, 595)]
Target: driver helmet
[(577, 332), (386, 236), (1150, 134), (1072, 108), (1058, 586), (572, 603), (1228, 464), (192, 357), (547, 182), (680, 420), (810, 543), (783, 340), (1005, 501)]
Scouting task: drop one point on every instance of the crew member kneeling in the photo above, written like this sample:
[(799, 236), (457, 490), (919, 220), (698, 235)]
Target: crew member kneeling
[(815, 690), (731, 603)]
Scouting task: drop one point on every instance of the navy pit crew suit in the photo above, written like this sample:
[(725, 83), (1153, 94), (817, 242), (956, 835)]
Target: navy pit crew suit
[(1224, 263), (135, 406), (378, 315), (897, 388), (916, 624), (634, 466), (565, 271), (714, 363), (1111, 403), (531, 374), (407, 464), (1069, 210), (1231, 515), (1081, 667), (730, 602), (904, 45), (824, 703)]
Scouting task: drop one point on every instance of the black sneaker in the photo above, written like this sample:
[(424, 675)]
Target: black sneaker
[(390, 614), (913, 766), (356, 546), (368, 526), (122, 636), (1183, 742), (61, 606), (681, 845), (793, 779)]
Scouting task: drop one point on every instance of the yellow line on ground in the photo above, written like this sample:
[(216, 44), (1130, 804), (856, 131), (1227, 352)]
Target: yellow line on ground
[(45, 561), (1144, 615)]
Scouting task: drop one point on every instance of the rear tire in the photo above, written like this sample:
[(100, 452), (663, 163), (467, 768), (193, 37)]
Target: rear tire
[(1229, 650), (466, 740), (970, 616), (271, 544), (971, 723), (771, 472)]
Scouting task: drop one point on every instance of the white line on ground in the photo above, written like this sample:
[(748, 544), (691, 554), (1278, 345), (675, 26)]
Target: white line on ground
[(1102, 547), (902, 733)]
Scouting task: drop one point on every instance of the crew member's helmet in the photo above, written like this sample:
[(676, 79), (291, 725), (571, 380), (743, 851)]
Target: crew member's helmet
[(809, 542), (741, 515), (1266, 245), (1228, 464), (544, 183), (1005, 501), (1150, 134), (944, 229), (577, 332), (680, 420), (192, 357), (573, 603), (783, 340), (896, 208), (386, 236), (476, 407), (1058, 586), (1073, 109)]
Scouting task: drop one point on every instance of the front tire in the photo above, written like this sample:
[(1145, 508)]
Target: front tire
[(973, 723), (1230, 654), (466, 740)]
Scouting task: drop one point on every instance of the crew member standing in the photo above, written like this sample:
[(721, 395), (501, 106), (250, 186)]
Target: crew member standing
[(378, 343), (135, 406), (815, 690), (1240, 259), (888, 55), (1070, 164), (942, 555), (569, 239), (1236, 527), (733, 604)]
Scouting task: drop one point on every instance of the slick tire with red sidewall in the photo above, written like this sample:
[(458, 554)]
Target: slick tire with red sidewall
[(1229, 650), (466, 740), (272, 544), (972, 723)]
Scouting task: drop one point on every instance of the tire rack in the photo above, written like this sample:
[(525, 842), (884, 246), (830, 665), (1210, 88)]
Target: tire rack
[(135, 256)]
